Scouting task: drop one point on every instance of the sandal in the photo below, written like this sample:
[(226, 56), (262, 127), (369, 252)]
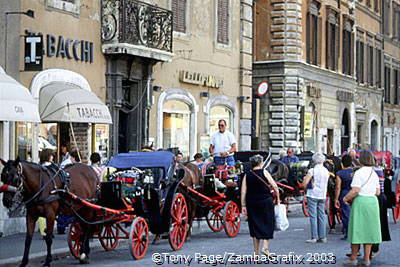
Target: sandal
[(265, 252)]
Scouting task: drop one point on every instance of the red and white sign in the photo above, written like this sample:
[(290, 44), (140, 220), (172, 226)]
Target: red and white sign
[(262, 88)]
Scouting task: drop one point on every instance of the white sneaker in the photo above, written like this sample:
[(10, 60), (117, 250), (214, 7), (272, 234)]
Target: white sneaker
[(314, 240)]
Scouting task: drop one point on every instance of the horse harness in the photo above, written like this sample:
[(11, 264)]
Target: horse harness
[(53, 171)]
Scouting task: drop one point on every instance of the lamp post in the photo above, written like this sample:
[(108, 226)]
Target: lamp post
[(30, 13)]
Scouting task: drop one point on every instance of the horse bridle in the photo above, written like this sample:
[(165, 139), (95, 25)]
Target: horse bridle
[(21, 185)]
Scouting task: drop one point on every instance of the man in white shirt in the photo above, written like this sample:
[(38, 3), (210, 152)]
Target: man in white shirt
[(223, 145)]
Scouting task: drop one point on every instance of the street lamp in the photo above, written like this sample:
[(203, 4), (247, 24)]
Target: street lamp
[(30, 13)]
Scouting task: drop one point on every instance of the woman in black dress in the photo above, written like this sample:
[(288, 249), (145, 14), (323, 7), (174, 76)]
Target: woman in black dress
[(257, 204)]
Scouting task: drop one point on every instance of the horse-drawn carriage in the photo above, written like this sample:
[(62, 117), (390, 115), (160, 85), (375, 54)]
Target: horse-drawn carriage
[(141, 193)]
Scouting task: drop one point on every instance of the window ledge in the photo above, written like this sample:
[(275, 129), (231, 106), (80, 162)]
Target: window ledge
[(226, 48), (72, 8)]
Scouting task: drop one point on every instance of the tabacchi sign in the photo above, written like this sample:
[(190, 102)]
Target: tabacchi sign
[(80, 50)]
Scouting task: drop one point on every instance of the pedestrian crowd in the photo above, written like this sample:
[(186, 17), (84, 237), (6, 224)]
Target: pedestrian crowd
[(359, 194)]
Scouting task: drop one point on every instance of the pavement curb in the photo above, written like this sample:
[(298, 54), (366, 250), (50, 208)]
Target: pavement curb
[(60, 252)]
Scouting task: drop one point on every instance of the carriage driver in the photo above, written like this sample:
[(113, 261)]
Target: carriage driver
[(223, 145)]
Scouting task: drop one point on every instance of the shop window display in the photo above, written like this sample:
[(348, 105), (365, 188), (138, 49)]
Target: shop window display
[(24, 136), (48, 136), (176, 126), (101, 141)]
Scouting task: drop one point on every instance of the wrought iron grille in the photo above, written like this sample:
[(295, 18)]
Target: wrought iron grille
[(138, 23)]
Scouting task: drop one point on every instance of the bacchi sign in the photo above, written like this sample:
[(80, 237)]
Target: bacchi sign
[(79, 50)]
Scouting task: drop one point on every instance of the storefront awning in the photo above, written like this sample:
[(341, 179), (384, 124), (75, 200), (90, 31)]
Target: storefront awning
[(61, 102), (16, 102)]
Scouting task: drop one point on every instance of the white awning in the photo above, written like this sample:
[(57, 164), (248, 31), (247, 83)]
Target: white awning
[(16, 102), (62, 102)]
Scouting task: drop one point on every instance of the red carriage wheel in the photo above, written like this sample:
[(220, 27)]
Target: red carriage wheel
[(74, 239), (108, 236), (304, 207), (215, 219), (179, 224), (396, 209), (231, 219), (138, 238)]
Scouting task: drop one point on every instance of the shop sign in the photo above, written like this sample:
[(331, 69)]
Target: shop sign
[(202, 79), (308, 124), (344, 96), (90, 113), (80, 50), (33, 59)]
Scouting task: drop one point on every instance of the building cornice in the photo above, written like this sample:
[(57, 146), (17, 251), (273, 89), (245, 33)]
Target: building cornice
[(307, 67), (360, 7)]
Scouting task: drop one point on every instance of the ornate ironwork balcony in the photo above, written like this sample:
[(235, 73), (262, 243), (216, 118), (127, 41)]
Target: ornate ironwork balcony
[(134, 27)]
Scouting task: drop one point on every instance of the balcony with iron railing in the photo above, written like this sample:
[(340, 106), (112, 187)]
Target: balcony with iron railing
[(136, 28)]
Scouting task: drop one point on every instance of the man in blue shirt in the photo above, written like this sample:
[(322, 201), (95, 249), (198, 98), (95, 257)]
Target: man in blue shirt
[(290, 158)]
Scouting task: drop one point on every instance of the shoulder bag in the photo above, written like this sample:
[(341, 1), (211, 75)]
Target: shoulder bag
[(271, 189), (363, 184)]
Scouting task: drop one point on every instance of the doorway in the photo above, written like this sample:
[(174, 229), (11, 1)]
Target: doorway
[(374, 135), (329, 142), (132, 117), (345, 131)]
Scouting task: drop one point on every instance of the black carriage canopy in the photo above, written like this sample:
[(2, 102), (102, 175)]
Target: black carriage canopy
[(141, 160)]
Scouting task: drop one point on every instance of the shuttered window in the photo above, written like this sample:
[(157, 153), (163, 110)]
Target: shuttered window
[(386, 17), (223, 21), (332, 42), (387, 84), (378, 68), (348, 54), (178, 8), (396, 86), (313, 31), (376, 5), (370, 65), (360, 61)]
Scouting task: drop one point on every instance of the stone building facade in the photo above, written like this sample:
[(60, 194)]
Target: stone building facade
[(306, 51), (208, 78), (391, 72)]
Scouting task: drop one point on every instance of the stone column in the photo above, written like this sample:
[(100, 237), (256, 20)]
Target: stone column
[(280, 119), (113, 101), (246, 59)]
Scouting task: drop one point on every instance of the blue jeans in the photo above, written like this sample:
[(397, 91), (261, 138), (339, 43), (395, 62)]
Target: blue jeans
[(345, 216), (316, 208), (219, 161)]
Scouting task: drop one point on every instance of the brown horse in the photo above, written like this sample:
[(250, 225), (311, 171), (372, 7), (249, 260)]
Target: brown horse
[(192, 178), (35, 183)]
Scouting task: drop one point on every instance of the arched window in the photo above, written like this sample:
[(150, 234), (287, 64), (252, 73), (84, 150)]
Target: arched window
[(176, 126), (220, 113)]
